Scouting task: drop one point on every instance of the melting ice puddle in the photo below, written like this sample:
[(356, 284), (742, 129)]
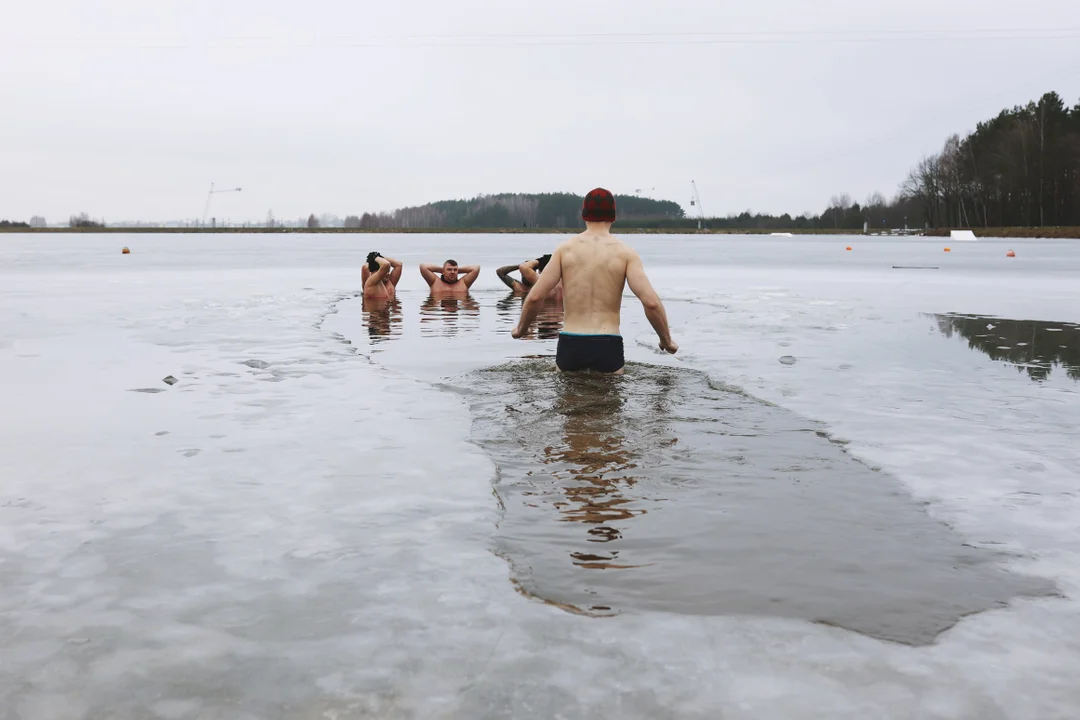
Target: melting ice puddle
[(1027, 344), (660, 491)]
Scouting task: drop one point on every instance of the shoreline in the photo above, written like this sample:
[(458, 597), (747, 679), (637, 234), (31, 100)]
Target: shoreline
[(420, 231), (414, 231), (1070, 233), (1060, 233)]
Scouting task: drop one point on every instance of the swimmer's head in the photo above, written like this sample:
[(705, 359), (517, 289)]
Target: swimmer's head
[(372, 265), (542, 262), (450, 270), (598, 206)]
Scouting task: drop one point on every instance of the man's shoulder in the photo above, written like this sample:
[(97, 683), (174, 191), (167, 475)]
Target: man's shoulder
[(611, 241)]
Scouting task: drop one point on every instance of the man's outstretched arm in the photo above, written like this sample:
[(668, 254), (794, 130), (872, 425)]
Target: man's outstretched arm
[(650, 301), (535, 299), (427, 270)]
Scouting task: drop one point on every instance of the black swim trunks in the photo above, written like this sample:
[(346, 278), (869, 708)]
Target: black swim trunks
[(603, 353)]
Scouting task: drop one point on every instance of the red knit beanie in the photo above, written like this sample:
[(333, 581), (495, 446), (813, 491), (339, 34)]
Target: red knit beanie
[(599, 206)]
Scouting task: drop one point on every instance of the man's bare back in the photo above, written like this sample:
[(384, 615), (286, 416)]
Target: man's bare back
[(594, 267)]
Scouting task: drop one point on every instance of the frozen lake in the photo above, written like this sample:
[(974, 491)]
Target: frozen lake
[(342, 512)]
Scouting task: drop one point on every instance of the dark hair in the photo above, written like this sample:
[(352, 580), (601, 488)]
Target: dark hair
[(372, 265), (542, 261), (452, 263)]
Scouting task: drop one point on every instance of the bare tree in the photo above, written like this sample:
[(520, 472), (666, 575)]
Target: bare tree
[(921, 185), (82, 220)]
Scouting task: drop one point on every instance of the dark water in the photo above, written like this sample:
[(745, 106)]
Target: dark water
[(661, 491), (1034, 347)]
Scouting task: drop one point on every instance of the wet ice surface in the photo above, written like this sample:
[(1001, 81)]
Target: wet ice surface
[(661, 491), (299, 528)]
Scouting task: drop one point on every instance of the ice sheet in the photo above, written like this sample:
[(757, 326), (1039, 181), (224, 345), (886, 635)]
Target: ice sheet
[(312, 538)]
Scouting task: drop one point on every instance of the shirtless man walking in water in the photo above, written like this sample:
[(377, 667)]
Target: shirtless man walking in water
[(594, 267)]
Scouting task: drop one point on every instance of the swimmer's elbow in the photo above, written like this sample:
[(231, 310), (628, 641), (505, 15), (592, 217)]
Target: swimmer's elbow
[(651, 303), (534, 298)]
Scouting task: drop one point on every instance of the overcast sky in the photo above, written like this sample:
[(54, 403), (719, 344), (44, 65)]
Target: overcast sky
[(130, 109)]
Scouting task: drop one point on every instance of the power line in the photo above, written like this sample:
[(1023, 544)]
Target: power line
[(749, 37)]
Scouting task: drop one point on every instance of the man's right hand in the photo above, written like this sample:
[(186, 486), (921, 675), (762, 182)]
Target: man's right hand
[(669, 346)]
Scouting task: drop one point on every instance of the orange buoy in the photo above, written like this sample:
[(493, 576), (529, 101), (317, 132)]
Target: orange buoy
[(848, 247), (948, 249), (125, 251), (1010, 254)]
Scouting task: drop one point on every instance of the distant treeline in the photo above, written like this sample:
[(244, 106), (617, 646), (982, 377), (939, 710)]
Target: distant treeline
[(10, 224), (563, 210), (513, 210)]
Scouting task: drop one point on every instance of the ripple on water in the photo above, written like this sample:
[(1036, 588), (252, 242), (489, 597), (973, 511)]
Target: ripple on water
[(661, 491)]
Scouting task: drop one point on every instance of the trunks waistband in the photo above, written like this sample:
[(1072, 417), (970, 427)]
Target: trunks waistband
[(571, 334)]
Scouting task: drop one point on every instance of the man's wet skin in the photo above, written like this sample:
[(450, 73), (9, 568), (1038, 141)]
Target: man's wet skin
[(593, 268), (449, 279), (530, 272), (380, 276)]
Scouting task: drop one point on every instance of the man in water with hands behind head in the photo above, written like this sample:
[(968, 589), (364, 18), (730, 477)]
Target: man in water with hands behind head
[(594, 267), (530, 272), (380, 276), (449, 282)]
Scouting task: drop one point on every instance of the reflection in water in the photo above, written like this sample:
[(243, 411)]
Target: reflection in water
[(446, 316), (1033, 346), (548, 322), (660, 491), (593, 465), (382, 318)]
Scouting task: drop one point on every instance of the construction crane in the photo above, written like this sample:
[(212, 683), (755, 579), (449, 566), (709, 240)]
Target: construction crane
[(697, 201), (206, 210)]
